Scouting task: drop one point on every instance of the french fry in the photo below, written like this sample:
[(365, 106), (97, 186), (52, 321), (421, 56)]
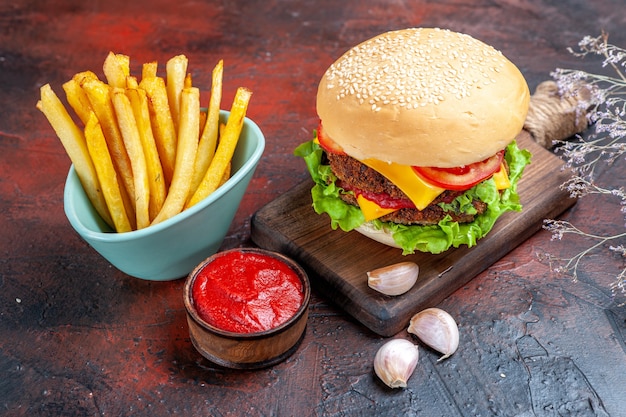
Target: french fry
[(77, 100), (208, 140), (162, 124), (202, 121), (96, 143), (226, 175), (133, 144), (84, 76), (73, 141), (225, 148), (185, 155), (229, 167), (188, 81), (176, 69), (99, 96), (149, 70), (116, 68), (131, 82), (156, 182), (76, 97)]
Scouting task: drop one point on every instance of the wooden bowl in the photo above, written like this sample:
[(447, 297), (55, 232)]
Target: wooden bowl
[(247, 350)]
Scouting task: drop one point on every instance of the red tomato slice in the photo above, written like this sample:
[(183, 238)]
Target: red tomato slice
[(463, 177), (327, 143)]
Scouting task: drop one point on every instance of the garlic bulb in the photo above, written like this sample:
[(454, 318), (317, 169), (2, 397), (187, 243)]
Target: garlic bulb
[(395, 362), (393, 279), (437, 329)]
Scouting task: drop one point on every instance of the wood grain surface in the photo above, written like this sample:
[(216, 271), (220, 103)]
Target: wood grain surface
[(338, 261)]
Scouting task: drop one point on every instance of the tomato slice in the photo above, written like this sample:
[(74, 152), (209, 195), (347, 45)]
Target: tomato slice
[(463, 177), (327, 143)]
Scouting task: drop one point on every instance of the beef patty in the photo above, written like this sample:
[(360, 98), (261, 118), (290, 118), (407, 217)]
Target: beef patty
[(352, 175)]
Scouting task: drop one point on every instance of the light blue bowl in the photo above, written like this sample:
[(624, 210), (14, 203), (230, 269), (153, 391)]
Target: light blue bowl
[(173, 248)]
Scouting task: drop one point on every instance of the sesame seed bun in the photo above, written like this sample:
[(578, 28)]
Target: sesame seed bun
[(382, 235), (424, 97)]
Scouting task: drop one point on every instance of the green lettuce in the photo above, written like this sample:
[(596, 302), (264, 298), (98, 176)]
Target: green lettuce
[(432, 238)]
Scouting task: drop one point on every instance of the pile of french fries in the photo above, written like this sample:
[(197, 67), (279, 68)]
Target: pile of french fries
[(145, 150)]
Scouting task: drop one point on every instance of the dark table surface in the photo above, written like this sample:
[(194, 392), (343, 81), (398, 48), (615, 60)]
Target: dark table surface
[(78, 337)]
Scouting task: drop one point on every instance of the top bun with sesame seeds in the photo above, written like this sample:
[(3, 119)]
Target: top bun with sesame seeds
[(422, 97)]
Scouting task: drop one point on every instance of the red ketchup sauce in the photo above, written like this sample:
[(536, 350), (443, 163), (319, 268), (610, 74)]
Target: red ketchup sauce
[(246, 292)]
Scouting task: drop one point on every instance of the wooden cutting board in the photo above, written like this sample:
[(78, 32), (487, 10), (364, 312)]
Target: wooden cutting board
[(337, 262)]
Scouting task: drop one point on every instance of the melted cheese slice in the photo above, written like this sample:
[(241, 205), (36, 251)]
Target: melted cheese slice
[(371, 210), (419, 192), (501, 178)]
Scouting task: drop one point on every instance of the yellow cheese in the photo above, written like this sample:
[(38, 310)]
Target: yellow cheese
[(501, 178), (371, 210), (420, 192)]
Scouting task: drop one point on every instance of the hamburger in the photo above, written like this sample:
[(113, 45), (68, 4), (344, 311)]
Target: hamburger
[(415, 146)]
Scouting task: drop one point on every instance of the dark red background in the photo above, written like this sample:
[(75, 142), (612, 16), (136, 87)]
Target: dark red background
[(78, 337)]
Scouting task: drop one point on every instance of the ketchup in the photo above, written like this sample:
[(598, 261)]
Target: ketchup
[(246, 292)]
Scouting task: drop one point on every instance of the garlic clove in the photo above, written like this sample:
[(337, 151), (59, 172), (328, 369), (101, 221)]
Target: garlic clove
[(393, 279), (395, 362), (437, 329)]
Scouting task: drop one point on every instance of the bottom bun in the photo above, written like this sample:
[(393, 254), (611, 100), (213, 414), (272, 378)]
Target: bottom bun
[(380, 235)]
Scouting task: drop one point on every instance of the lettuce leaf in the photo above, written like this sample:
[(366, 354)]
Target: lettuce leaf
[(432, 238)]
